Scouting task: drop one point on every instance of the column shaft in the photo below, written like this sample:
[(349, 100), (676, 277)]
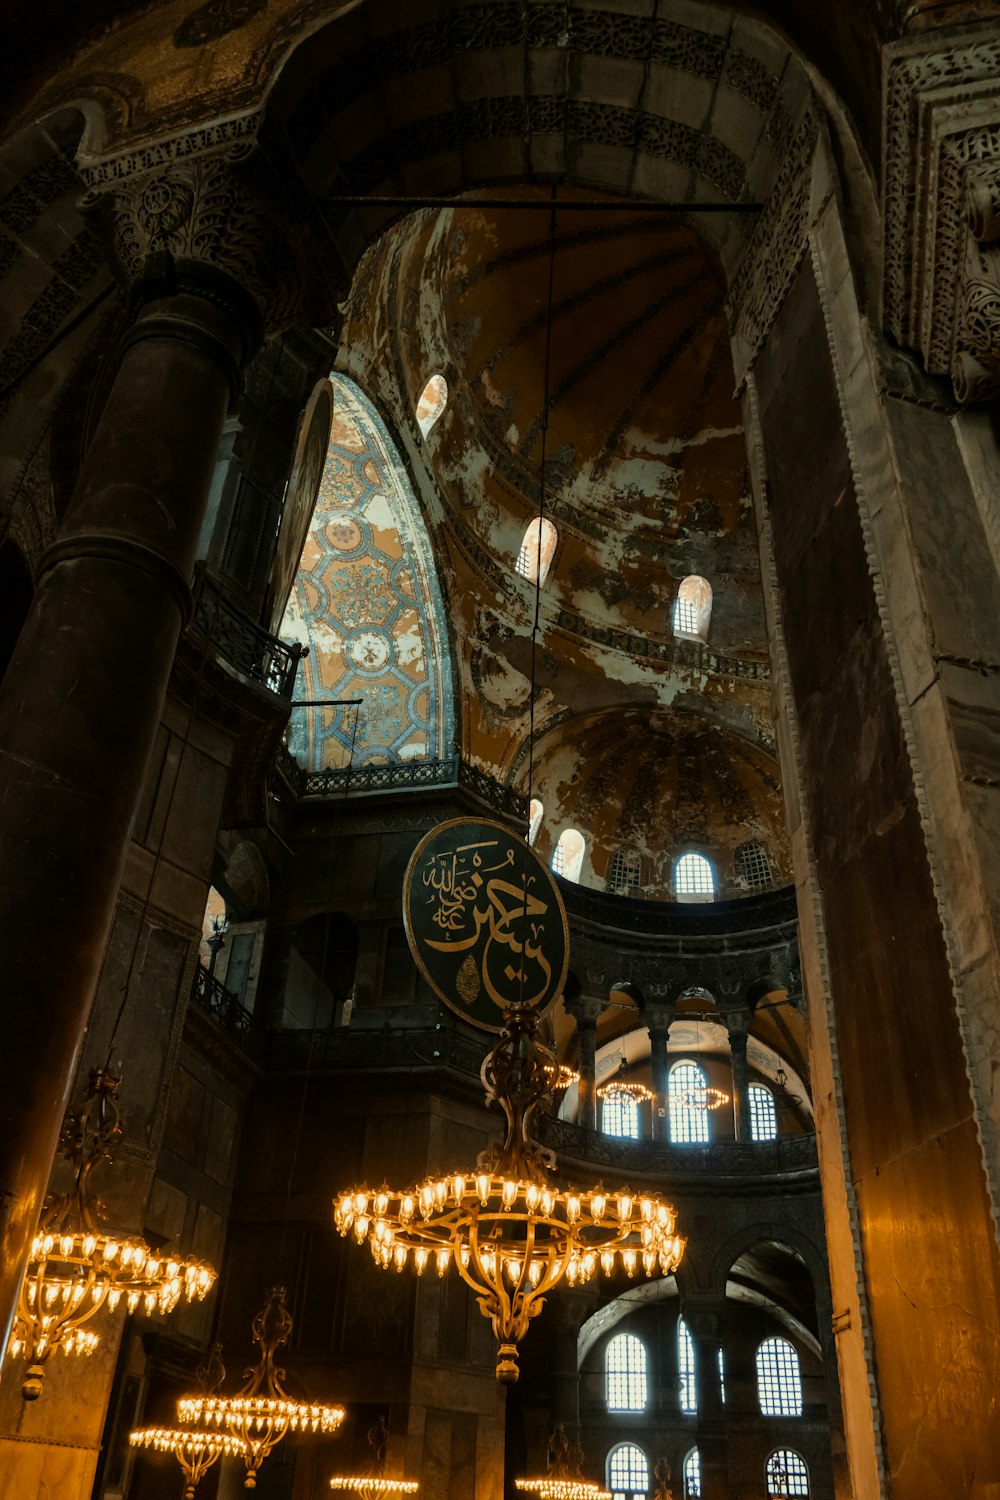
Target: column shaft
[(81, 701), (741, 1091), (586, 1109)]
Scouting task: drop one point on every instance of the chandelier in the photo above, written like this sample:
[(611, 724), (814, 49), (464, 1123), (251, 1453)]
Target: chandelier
[(195, 1451), (261, 1413), (511, 1235), (74, 1268), (562, 1480), (699, 1096), (621, 1084), (373, 1485)]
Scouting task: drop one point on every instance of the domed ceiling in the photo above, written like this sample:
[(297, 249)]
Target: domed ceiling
[(659, 784), (645, 478)]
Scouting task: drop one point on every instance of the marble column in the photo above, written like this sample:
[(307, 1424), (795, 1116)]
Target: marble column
[(741, 1091), (82, 698), (705, 1321), (586, 1102), (659, 1066)]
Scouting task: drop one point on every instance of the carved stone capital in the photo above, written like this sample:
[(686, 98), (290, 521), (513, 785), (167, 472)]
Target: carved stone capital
[(200, 199), (941, 214)]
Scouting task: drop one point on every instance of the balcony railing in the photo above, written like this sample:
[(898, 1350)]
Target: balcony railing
[(409, 776), (212, 996), (239, 640), (787, 1156)]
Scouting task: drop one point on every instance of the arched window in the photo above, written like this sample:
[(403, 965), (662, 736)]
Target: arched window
[(625, 1367), (567, 858), (685, 1368), (763, 1115), (752, 867), (694, 878), (693, 609), (432, 402), (686, 1097), (625, 872), (538, 547), (535, 811), (692, 1476), (627, 1472), (787, 1474), (779, 1385), (620, 1115)]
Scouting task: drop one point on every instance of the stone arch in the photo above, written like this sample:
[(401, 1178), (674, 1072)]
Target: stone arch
[(784, 1235), (618, 132)]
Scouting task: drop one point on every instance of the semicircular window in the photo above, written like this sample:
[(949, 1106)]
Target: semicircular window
[(367, 603)]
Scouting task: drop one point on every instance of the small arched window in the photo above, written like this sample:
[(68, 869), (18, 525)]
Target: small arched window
[(685, 1369), (538, 547), (625, 872), (686, 1088), (627, 1472), (625, 1368), (692, 609), (721, 1356), (692, 1476), (787, 1474), (752, 867), (535, 811), (763, 1115), (694, 878), (779, 1384), (432, 402), (620, 1115), (567, 857)]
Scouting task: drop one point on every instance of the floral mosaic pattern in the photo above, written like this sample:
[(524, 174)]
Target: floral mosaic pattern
[(367, 602)]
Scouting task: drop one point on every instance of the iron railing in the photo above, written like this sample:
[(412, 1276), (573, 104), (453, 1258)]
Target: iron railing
[(234, 1018), (239, 640), (450, 771)]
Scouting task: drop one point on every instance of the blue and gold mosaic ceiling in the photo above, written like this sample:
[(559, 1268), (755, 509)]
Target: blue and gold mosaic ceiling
[(366, 601)]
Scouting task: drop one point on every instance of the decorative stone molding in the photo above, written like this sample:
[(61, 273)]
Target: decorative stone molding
[(776, 248), (941, 208), (198, 198)]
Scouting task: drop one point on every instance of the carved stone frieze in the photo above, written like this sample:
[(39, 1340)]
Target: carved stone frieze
[(776, 247), (941, 208), (199, 197)]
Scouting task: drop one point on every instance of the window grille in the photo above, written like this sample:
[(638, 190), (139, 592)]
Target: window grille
[(752, 867), (538, 547), (625, 872), (779, 1384), (620, 1115), (787, 1474), (685, 1368), (692, 1476), (763, 1115), (688, 1119), (694, 878), (692, 608), (627, 1472), (567, 857), (625, 1367)]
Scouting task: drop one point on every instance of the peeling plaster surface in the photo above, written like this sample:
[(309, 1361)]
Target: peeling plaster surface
[(645, 478)]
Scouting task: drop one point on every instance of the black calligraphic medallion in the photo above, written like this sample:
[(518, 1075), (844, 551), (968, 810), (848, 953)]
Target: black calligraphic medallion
[(485, 921)]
